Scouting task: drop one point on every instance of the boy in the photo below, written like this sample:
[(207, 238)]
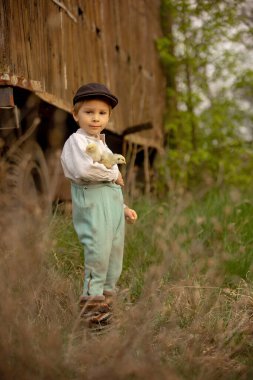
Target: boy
[(97, 201)]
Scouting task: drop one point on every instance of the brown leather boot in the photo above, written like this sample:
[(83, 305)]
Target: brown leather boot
[(109, 298), (95, 310)]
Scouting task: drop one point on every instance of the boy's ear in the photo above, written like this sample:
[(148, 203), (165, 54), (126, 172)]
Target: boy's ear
[(75, 116)]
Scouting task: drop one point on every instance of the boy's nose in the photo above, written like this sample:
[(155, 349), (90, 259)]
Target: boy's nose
[(95, 117)]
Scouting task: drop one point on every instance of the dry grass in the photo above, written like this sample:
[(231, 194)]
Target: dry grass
[(185, 315)]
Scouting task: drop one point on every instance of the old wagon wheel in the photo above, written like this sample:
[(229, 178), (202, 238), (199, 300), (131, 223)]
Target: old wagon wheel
[(27, 178)]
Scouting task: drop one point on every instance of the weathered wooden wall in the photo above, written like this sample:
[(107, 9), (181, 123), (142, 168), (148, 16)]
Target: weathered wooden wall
[(54, 48)]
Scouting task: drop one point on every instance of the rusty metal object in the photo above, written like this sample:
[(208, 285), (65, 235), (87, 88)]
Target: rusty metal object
[(9, 116), (7, 79), (6, 97)]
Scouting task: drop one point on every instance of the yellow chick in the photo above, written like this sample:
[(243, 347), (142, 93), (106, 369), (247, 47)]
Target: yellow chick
[(110, 159), (93, 151)]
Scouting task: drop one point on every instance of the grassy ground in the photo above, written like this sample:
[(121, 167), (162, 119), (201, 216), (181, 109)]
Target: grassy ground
[(185, 302)]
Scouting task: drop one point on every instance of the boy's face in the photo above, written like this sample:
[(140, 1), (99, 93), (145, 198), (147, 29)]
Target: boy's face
[(93, 116)]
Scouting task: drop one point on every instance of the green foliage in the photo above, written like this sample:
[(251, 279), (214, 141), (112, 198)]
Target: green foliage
[(244, 84), (163, 46), (203, 123), (223, 218), (141, 249), (67, 252)]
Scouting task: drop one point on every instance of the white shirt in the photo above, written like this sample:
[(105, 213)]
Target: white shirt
[(78, 166)]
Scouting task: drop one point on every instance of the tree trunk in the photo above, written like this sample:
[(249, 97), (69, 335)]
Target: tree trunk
[(190, 106), (189, 102)]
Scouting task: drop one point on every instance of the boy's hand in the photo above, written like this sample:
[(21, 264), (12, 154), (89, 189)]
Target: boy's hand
[(130, 215), (119, 180)]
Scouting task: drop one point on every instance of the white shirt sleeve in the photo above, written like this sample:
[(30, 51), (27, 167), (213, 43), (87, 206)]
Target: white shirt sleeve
[(78, 166)]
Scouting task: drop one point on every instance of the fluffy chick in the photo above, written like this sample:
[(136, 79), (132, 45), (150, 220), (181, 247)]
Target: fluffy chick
[(94, 152), (110, 159)]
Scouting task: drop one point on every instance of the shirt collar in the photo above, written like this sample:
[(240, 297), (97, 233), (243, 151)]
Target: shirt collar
[(101, 136)]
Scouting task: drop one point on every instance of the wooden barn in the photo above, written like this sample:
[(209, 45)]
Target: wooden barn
[(48, 48)]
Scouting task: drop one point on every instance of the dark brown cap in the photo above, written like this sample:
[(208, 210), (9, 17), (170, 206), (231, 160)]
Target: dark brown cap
[(94, 91)]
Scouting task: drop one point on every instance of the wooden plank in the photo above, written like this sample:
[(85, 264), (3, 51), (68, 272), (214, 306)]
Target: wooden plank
[(5, 35)]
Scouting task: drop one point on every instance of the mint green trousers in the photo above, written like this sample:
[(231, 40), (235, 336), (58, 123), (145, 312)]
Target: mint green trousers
[(98, 218)]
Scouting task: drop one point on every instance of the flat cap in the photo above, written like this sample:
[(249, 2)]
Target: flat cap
[(95, 90)]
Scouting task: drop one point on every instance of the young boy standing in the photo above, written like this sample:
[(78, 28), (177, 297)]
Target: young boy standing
[(97, 201)]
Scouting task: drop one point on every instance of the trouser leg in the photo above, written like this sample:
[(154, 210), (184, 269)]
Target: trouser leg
[(117, 245), (116, 258), (89, 223)]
